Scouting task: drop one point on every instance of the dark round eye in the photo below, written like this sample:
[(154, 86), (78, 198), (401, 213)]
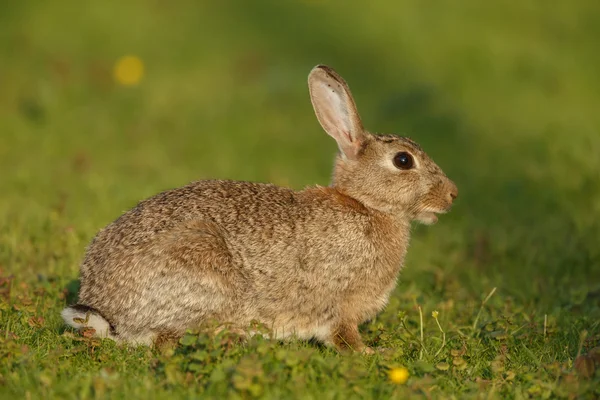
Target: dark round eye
[(403, 160)]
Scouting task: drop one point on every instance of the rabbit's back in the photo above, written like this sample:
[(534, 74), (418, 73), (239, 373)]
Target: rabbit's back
[(252, 217), (218, 201)]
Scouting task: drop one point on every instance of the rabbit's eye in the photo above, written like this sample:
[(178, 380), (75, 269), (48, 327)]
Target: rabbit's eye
[(403, 160)]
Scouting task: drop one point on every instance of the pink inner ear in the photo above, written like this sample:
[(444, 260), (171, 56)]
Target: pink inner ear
[(336, 112), (339, 118), (347, 135)]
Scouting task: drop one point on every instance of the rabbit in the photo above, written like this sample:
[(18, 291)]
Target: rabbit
[(309, 264)]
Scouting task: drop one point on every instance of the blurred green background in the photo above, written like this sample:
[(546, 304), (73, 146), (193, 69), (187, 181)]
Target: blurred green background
[(503, 95)]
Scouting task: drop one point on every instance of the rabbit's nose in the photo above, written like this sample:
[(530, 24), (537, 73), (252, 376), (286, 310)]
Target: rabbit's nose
[(452, 192)]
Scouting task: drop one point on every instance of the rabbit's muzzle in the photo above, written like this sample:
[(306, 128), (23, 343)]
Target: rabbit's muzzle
[(447, 193), (452, 191), (439, 200)]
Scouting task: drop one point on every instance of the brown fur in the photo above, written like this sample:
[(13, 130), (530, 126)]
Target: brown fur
[(312, 263), (346, 337)]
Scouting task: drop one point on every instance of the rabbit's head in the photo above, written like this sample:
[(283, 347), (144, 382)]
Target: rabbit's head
[(386, 172)]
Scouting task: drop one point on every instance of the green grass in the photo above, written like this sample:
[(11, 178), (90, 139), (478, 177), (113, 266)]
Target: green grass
[(503, 95)]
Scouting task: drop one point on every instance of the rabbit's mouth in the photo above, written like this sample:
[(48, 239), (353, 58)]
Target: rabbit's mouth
[(429, 217)]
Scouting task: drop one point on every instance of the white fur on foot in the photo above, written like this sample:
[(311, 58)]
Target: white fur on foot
[(80, 320)]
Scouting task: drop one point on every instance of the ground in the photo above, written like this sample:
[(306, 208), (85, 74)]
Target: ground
[(500, 299)]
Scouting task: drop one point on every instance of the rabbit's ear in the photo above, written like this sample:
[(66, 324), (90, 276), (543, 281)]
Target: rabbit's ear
[(336, 110)]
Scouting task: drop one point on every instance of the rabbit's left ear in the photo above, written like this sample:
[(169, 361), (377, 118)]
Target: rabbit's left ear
[(336, 110)]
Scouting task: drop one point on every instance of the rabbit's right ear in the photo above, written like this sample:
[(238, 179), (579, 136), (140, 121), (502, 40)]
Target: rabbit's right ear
[(336, 110)]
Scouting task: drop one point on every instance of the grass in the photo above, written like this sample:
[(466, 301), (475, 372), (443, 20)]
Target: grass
[(503, 96)]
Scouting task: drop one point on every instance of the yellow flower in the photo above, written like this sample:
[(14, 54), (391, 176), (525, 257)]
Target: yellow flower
[(129, 70), (398, 375), (435, 314)]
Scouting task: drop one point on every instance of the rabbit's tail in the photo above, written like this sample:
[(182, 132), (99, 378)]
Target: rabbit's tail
[(80, 316)]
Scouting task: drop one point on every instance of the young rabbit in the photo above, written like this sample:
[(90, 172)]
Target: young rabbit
[(309, 264)]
